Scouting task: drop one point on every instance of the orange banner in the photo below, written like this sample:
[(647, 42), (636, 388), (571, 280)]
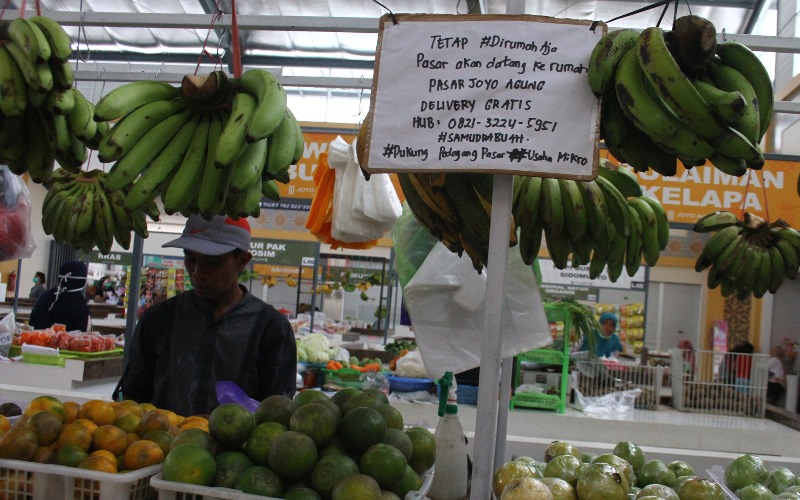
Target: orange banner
[(770, 192)]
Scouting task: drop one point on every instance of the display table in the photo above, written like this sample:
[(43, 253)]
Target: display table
[(92, 376)]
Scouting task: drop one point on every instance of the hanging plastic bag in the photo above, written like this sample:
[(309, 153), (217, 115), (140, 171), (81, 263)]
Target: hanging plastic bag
[(362, 210), (16, 240), (229, 392), (445, 301)]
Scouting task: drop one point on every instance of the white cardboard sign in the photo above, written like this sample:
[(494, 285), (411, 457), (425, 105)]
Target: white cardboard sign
[(489, 93)]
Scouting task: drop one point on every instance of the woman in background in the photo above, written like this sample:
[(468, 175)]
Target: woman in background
[(38, 288), (65, 304)]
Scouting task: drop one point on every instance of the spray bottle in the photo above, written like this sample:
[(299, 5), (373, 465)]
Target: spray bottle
[(450, 476)]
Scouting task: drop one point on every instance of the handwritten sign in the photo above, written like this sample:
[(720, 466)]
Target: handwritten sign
[(490, 93)]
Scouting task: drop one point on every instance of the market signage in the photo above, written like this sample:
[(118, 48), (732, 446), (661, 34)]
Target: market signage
[(491, 93), (578, 278), (691, 194), (163, 262), (111, 258), (282, 252)]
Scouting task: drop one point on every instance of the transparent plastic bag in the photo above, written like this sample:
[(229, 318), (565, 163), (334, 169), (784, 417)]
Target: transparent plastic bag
[(607, 404), (412, 244), (16, 240), (7, 327)]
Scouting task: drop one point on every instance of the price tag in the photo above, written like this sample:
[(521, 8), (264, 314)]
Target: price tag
[(489, 93)]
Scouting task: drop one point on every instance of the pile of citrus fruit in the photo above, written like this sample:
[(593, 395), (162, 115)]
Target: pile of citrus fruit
[(96, 435), (350, 446)]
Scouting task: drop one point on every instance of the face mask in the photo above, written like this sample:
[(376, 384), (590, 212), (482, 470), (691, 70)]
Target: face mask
[(35, 280)]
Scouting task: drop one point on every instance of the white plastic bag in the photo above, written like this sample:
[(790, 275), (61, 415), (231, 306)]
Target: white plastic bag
[(7, 326), (445, 299), (612, 403), (362, 210)]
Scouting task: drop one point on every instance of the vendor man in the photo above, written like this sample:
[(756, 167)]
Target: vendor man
[(217, 331), (606, 341)]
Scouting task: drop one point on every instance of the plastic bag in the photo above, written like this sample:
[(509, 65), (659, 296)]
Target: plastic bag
[(7, 326), (362, 210), (612, 403), (229, 392), (412, 244), (445, 301), (16, 240)]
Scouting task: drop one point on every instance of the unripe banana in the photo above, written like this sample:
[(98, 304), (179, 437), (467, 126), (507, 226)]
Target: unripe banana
[(122, 100)]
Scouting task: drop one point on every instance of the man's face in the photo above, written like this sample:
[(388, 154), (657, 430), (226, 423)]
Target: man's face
[(215, 276), (608, 327)]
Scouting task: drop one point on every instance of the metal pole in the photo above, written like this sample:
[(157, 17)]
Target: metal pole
[(506, 370), (133, 292), (489, 382), (16, 286), (314, 287)]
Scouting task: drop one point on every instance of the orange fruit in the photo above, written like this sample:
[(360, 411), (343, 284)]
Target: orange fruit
[(143, 453), (132, 406), (46, 403), (119, 410), (98, 411), (105, 454), (147, 407), (161, 438), (194, 418), (108, 437), (46, 425), (133, 437), (74, 434), (190, 464), (70, 455), (45, 455), (193, 425), (5, 424), (173, 417), (128, 423), (90, 426), (98, 463), (71, 411), (153, 420)]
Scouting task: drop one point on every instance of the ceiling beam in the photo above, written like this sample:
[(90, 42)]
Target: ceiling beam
[(287, 81)]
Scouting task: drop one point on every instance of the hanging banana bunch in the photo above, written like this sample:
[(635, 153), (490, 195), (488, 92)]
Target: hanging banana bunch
[(750, 256), (670, 96), (43, 119), (202, 147)]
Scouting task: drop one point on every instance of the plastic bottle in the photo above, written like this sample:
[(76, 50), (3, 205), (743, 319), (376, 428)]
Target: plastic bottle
[(450, 475)]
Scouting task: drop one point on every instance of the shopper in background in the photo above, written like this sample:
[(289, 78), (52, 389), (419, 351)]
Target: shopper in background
[(606, 341), (215, 332), (744, 362), (66, 303), (776, 381), (38, 288)]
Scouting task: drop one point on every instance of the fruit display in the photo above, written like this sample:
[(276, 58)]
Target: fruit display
[(670, 96), (574, 216), (747, 257), (96, 435), (625, 473), (201, 147), (80, 210), (43, 119), (351, 445)]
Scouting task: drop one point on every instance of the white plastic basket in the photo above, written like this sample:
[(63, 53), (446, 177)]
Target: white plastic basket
[(34, 481), (170, 490)]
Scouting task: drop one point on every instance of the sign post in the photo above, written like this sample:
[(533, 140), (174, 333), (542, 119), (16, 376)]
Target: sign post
[(499, 94)]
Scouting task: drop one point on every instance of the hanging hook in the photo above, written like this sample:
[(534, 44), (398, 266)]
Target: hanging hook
[(391, 14)]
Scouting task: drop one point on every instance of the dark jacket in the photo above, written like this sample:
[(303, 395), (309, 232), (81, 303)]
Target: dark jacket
[(68, 308)]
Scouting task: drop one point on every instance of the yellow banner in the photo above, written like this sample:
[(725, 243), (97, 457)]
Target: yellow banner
[(770, 192)]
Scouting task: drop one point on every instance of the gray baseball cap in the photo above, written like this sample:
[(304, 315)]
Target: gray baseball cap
[(217, 236)]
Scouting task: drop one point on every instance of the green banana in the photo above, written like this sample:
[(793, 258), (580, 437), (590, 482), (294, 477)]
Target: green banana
[(123, 223), (185, 184), (103, 222), (736, 167), (73, 158), (80, 118), (271, 106), (764, 274), (60, 102), (789, 234), (791, 257), (134, 125), (606, 56), (594, 201), (743, 60), (146, 187), (426, 217), (617, 207), (474, 223), (529, 221), (126, 98), (13, 91), (661, 218), (270, 189), (57, 39), (600, 253), (728, 106), (300, 145), (63, 75), (669, 82), (733, 143), (616, 256), (34, 75), (281, 146), (715, 221), (434, 198), (777, 269), (41, 42), (520, 186), (730, 80), (650, 244), (210, 198), (558, 248), (575, 217), (19, 32), (623, 179), (635, 243), (622, 138), (247, 169), (125, 171), (551, 207), (232, 140)]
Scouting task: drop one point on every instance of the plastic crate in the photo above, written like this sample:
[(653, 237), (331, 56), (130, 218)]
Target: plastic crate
[(344, 377), (33, 481), (533, 400), (407, 384), (170, 490), (543, 356), (42, 359)]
